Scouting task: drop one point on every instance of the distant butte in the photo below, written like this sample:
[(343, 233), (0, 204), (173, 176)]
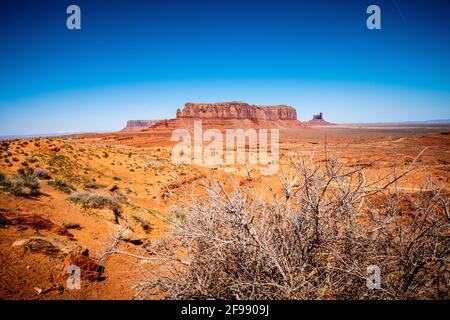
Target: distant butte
[(318, 120), (224, 115), (237, 110), (137, 125)]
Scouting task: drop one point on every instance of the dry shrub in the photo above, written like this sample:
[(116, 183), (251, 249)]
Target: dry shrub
[(313, 240), (93, 185), (42, 246), (23, 184), (42, 174), (100, 200)]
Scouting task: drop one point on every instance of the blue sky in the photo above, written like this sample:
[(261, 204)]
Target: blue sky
[(142, 60)]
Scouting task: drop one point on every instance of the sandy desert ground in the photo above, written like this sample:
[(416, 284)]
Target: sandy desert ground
[(37, 232)]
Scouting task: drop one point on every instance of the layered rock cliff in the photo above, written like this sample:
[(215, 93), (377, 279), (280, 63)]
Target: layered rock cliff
[(237, 110), (222, 115), (136, 125)]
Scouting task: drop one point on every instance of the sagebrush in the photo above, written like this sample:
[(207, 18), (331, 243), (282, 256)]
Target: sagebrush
[(99, 200), (22, 184)]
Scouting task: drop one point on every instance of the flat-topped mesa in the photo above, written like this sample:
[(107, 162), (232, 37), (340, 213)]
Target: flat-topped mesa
[(236, 110), (137, 125)]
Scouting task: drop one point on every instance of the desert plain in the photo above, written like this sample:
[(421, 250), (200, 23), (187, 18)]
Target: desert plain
[(41, 234)]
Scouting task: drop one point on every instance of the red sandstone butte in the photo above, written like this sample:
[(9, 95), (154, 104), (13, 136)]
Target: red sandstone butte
[(318, 120), (237, 110), (137, 125), (221, 116), (226, 115)]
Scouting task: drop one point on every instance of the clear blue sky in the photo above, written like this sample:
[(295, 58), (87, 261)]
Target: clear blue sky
[(142, 60)]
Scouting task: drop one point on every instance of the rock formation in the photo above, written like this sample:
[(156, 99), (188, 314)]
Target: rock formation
[(237, 110), (221, 116), (137, 125), (318, 116), (226, 115), (318, 120)]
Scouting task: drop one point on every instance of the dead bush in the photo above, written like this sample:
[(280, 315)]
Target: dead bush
[(42, 174), (22, 184), (95, 200), (42, 246), (93, 185), (319, 238)]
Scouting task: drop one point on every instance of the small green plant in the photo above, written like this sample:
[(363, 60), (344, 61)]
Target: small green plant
[(61, 186), (117, 178), (58, 159), (180, 216), (143, 223), (64, 167)]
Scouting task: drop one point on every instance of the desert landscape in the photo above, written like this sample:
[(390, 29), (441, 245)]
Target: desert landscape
[(224, 159), (108, 203)]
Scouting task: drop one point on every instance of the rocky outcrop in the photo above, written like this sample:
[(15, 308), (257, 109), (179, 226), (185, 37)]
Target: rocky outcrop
[(137, 125), (227, 115), (318, 120), (237, 110)]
